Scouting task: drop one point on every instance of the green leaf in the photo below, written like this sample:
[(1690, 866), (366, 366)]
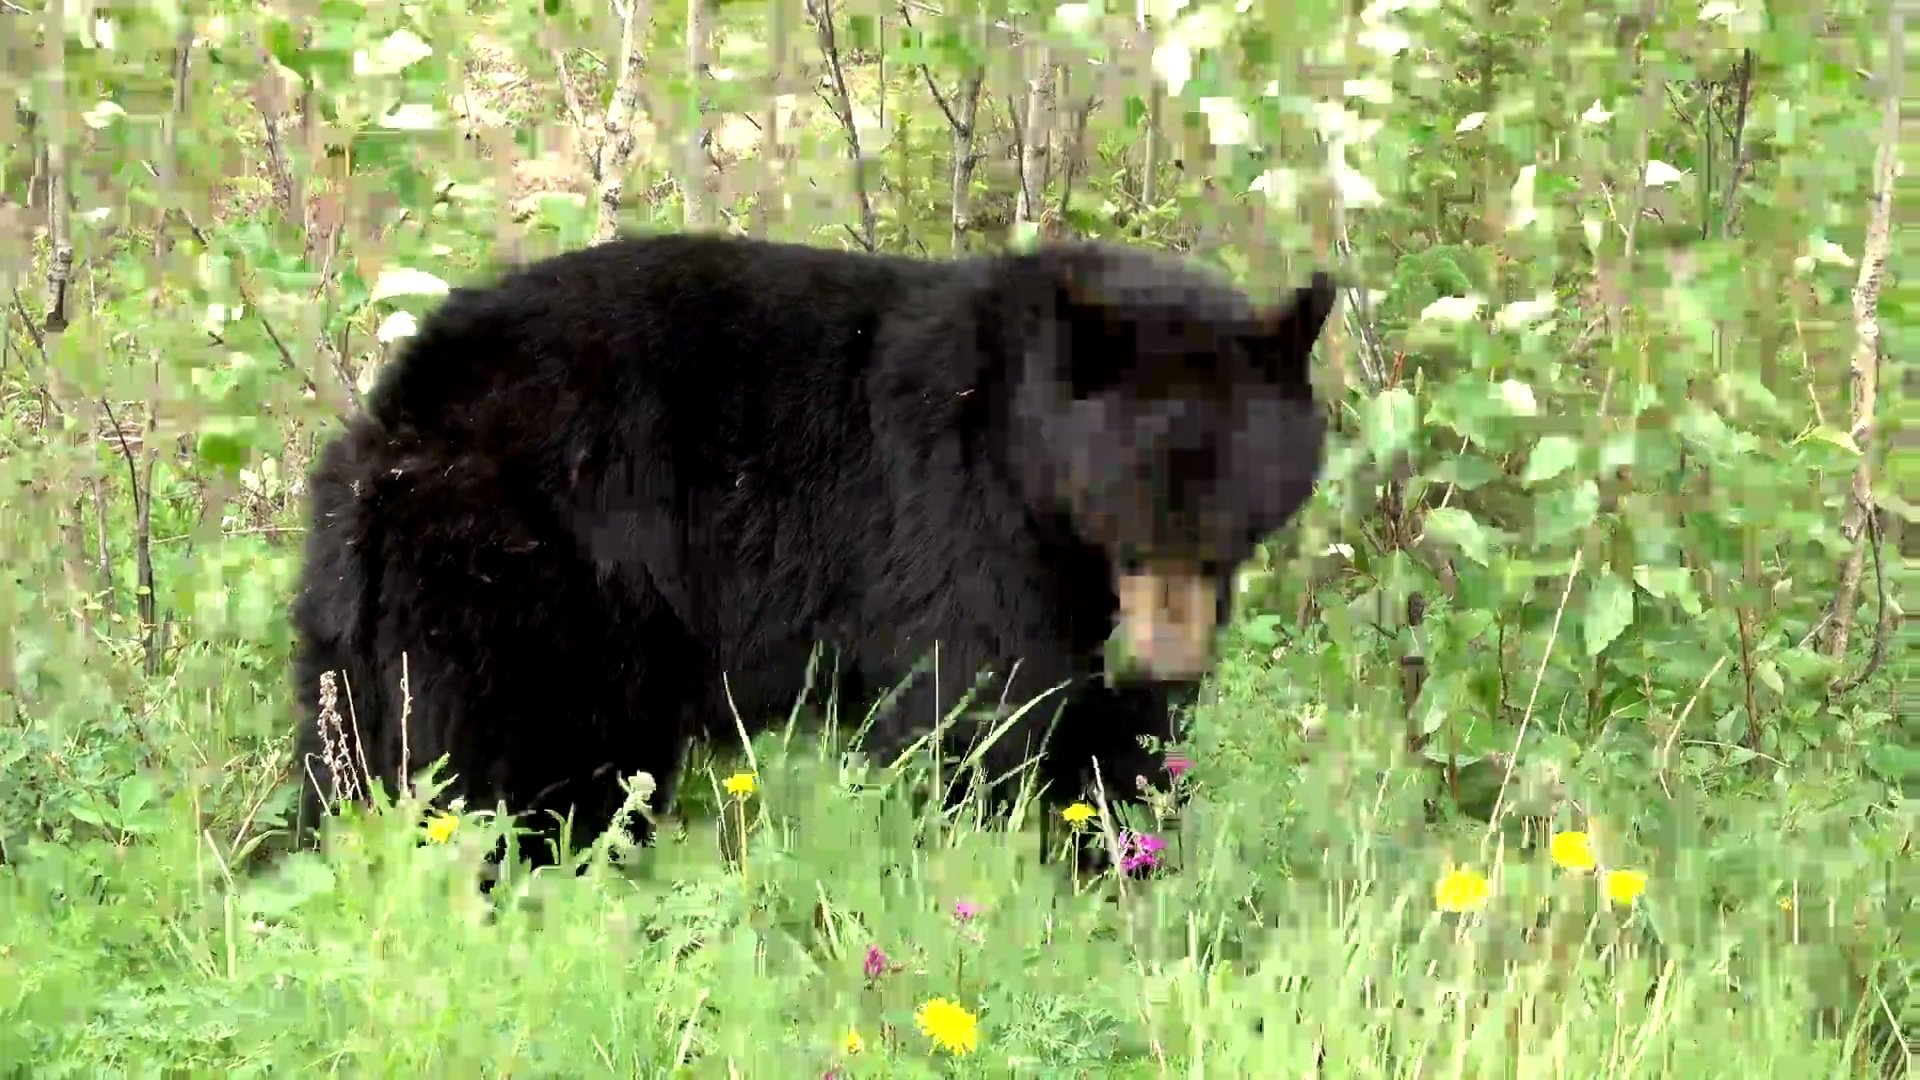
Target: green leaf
[(1392, 418), (135, 792), (1263, 630), (222, 443), (1827, 433), (1517, 397), (1609, 611), (1563, 512), (1551, 456), (1465, 470), (1669, 583), (1617, 450), (1459, 528), (1894, 763)]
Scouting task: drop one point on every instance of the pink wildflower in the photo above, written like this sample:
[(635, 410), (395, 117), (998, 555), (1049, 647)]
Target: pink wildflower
[(1141, 852), (965, 910), (1178, 764), (876, 962)]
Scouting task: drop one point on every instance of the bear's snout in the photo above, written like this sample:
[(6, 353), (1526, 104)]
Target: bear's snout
[(1167, 612)]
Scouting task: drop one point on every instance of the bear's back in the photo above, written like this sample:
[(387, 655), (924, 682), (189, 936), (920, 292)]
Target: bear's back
[(710, 324)]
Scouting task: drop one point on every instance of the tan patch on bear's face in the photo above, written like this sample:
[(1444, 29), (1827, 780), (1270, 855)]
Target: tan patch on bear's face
[(1167, 612)]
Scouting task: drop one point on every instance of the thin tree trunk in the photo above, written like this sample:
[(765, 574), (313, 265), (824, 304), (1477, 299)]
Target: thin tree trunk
[(615, 150), (772, 162), (1865, 374), (693, 181), (964, 121), (1036, 141)]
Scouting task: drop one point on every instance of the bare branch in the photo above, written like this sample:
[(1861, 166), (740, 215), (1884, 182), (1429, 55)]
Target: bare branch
[(153, 638), (967, 100), (1883, 627), (97, 487), (821, 11), (59, 198), (570, 94), (1076, 154), (48, 397), (932, 88), (246, 297), (170, 125), (143, 518), (1156, 101), (1737, 154), (279, 171)]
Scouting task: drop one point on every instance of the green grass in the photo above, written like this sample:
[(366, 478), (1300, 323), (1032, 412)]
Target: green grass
[(1301, 921)]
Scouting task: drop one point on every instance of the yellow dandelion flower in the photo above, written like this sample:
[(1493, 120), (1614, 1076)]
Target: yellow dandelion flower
[(440, 827), (1078, 814), (1462, 890), (740, 784), (1786, 904), (1625, 886), (949, 1025), (851, 1043), (1572, 851)]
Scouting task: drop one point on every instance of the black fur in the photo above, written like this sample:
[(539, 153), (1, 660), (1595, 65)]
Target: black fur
[(584, 494)]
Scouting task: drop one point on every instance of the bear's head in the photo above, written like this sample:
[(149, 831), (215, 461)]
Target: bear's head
[(1172, 419)]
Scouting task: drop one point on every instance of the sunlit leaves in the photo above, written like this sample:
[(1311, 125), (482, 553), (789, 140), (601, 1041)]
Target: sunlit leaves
[(1551, 456), (102, 114), (406, 281), (1454, 308), (398, 51), (1392, 418), (396, 327), (1523, 313), (1459, 528), (1608, 613), (1227, 123), (1661, 174), (411, 116)]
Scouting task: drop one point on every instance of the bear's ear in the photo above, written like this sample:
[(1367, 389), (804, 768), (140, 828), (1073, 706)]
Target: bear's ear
[(1288, 332)]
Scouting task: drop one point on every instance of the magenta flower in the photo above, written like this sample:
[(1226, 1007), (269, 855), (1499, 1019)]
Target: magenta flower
[(876, 962), (1178, 764), (965, 910), (1141, 852)]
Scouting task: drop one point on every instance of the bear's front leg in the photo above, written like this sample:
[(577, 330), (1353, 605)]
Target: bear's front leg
[(993, 715)]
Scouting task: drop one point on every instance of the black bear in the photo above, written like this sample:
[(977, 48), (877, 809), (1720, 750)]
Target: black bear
[(612, 501)]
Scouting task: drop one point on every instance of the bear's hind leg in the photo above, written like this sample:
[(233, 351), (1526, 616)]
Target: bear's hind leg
[(543, 680)]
